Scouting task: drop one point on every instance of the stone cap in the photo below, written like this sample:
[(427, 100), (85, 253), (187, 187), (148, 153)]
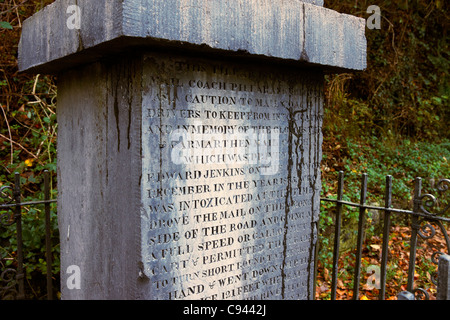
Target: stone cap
[(298, 31)]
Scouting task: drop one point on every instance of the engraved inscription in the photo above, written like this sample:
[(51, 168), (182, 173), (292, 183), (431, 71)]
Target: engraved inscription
[(230, 179)]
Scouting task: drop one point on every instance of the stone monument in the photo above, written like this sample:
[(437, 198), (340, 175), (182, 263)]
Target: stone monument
[(189, 142)]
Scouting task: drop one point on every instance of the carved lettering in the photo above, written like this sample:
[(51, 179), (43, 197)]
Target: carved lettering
[(229, 179)]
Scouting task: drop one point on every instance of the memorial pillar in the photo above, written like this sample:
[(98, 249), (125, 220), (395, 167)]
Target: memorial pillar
[(189, 142)]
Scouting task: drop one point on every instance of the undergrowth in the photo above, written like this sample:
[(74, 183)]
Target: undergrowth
[(391, 119)]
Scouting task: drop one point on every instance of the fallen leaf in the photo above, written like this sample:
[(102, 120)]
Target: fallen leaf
[(326, 274), (323, 288), (341, 292)]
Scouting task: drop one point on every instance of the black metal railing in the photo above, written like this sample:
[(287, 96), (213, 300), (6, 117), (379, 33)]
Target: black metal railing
[(421, 213), (12, 281)]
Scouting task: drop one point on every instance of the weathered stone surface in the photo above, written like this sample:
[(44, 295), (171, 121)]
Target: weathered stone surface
[(148, 214), (230, 179), (316, 2), (292, 30), (99, 169)]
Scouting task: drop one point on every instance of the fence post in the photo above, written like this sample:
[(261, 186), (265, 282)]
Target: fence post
[(316, 258), (361, 224), (18, 219), (48, 245), (406, 295), (443, 286), (415, 228), (386, 229), (337, 234)]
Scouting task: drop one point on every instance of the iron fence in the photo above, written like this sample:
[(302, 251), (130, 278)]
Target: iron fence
[(421, 213), (12, 281)]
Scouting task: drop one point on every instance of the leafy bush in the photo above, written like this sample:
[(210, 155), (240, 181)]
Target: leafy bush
[(406, 88), (391, 119), (28, 146), (404, 161)]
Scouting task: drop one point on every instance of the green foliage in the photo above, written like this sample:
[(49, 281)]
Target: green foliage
[(391, 119), (405, 160), (28, 128), (33, 236), (28, 146), (406, 87), (5, 25)]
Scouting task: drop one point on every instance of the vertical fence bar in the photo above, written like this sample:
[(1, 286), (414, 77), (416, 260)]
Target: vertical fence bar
[(48, 245), (337, 235), (387, 226), (361, 224), (316, 258), (18, 219), (415, 228)]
